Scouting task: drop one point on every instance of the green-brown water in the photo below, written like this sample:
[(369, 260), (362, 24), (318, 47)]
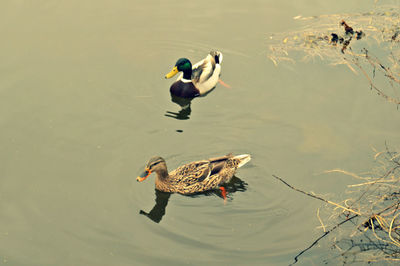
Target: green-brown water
[(83, 101)]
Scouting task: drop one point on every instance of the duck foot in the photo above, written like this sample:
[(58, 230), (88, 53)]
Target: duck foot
[(223, 193), (224, 84)]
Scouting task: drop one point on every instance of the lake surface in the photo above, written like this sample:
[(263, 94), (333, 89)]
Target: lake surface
[(83, 104)]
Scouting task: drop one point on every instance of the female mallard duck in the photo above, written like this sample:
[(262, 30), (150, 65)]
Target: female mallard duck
[(197, 80), (196, 176)]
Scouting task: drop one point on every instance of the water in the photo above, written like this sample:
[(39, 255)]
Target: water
[(83, 104)]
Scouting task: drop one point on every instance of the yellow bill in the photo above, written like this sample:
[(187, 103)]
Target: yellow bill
[(173, 72)]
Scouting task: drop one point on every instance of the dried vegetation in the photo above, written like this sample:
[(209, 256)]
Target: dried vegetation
[(365, 227), (368, 43)]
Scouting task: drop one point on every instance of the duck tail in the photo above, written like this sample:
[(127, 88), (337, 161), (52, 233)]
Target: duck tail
[(243, 159), (220, 57), (217, 56)]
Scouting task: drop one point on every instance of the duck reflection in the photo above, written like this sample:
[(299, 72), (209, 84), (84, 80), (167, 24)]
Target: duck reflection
[(158, 210), (162, 198), (184, 103)]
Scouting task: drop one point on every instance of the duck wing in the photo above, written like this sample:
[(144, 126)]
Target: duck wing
[(203, 70), (199, 176), (191, 173)]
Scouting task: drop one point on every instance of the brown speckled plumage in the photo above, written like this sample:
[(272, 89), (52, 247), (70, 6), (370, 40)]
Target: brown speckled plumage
[(198, 176)]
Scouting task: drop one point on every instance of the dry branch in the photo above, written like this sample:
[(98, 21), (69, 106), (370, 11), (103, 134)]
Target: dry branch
[(374, 212)]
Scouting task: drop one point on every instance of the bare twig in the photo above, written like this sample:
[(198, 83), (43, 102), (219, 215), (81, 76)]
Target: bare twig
[(296, 258), (316, 197), (374, 213)]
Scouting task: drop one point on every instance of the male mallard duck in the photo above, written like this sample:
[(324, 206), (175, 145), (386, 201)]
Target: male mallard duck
[(196, 176), (197, 80)]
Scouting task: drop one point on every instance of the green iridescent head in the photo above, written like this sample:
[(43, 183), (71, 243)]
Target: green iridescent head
[(183, 64)]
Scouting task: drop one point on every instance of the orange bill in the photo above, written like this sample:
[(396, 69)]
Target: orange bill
[(144, 175)]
